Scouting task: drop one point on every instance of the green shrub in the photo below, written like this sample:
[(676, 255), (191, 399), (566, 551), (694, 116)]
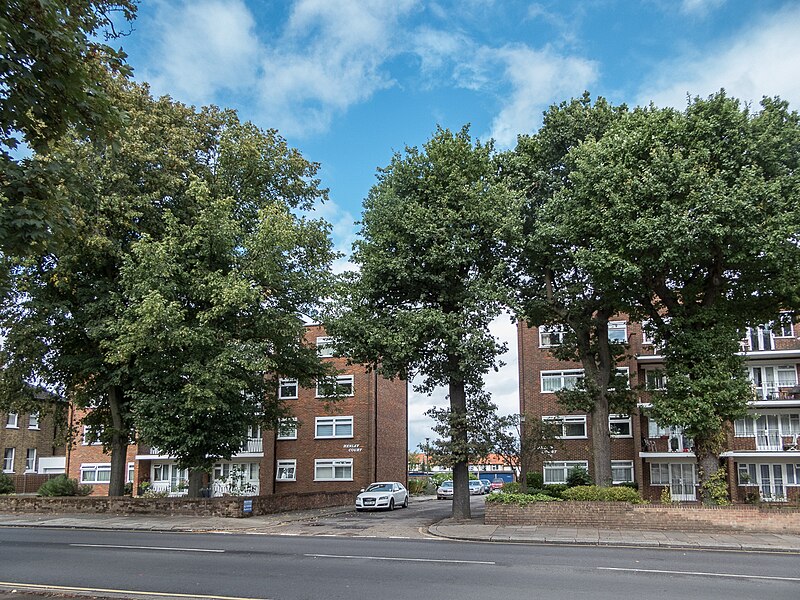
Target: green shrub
[(63, 486), (666, 495), (593, 493), (555, 489), (534, 480), (715, 490), (6, 484), (438, 478), (417, 486), (520, 499), (511, 487), (578, 476)]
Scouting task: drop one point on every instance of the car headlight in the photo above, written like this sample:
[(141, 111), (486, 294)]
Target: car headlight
[(383, 498)]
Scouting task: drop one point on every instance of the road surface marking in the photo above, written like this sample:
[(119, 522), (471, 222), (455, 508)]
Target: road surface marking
[(35, 586), (147, 548), (430, 560), (731, 575)]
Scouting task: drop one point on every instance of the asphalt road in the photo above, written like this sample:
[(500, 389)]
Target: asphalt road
[(293, 567)]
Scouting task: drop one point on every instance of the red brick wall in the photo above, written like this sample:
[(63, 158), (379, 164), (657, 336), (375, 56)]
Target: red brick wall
[(620, 515)]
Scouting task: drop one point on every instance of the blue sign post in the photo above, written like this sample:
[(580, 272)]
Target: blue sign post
[(247, 507)]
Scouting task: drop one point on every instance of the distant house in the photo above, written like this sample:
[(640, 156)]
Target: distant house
[(341, 446)]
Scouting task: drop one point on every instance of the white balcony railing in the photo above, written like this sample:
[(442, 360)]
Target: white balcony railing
[(172, 488), (252, 446), (234, 488), (769, 441)]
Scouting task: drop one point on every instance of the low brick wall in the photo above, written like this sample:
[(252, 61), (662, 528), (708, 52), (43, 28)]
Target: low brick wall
[(657, 517), (188, 507)]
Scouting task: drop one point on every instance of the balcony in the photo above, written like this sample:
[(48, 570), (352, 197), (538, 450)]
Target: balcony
[(672, 443), (769, 441), (254, 445)]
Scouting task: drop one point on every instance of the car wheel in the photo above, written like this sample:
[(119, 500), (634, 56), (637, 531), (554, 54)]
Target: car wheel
[(359, 509), (405, 502), (391, 504)]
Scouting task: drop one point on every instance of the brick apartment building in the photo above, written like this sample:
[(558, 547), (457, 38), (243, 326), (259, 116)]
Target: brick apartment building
[(33, 445), (325, 447), (762, 456)]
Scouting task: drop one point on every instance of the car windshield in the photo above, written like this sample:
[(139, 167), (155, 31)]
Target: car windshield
[(475, 483), (380, 487), (447, 484)]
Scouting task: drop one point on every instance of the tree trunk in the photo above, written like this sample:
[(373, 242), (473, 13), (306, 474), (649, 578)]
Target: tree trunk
[(458, 408), (195, 483), (601, 442), (119, 443), (707, 464)]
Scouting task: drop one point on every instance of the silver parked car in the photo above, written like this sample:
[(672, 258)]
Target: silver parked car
[(382, 494), (475, 487), (445, 490)]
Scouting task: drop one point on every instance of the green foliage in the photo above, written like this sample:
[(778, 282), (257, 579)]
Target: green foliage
[(534, 479), (63, 486), (479, 423), (593, 493), (666, 495), (418, 485), (511, 487), (55, 75), (715, 489), (578, 476), (520, 499), (555, 489), (6, 484)]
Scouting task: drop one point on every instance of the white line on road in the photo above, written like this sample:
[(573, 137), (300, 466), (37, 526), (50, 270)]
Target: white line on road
[(430, 560), (701, 573), (148, 548), (63, 588)]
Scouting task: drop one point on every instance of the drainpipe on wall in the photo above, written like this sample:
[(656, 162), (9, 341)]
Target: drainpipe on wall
[(375, 431)]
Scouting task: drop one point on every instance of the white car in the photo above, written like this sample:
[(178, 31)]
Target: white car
[(382, 494)]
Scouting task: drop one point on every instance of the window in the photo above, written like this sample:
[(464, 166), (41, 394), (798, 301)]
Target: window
[(171, 473), (287, 429), (572, 427), (8, 460), (659, 473), (655, 380), (340, 469), (11, 420), (96, 473), (552, 381), (793, 474), (325, 346), (551, 335), (557, 472), (91, 435), (340, 386), (618, 332), (129, 474), (287, 470), (620, 426), (746, 474), (30, 460), (784, 327), (781, 424), (626, 373), (33, 420), (287, 389), (744, 427), (648, 339), (622, 471), (334, 427), (654, 430)]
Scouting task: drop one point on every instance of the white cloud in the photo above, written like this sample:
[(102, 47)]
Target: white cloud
[(699, 8), (536, 78), (203, 47), (760, 61)]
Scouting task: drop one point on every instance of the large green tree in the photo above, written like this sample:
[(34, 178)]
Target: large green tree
[(430, 277), (54, 75), (555, 288), (150, 200), (697, 214)]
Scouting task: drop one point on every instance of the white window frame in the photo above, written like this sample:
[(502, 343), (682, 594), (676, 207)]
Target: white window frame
[(12, 420), (129, 473), (655, 380), (788, 424), (572, 375), (340, 382), (96, 469), (618, 326), (288, 382), (334, 423), (33, 420), (550, 332), (86, 429), (8, 460), (565, 420), (626, 371), (565, 466), (333, 463), (287, 467), (662, 472), (784, 326), (30, 460), (287, 429), (325, 346), (647, 338), (792, 475), (620, 419), (622, 464)]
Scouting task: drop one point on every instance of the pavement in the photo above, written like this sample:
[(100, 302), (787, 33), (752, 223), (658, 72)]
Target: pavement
[(474, 530)]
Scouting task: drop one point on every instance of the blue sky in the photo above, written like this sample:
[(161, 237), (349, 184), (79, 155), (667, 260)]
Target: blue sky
[(350, 82)]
